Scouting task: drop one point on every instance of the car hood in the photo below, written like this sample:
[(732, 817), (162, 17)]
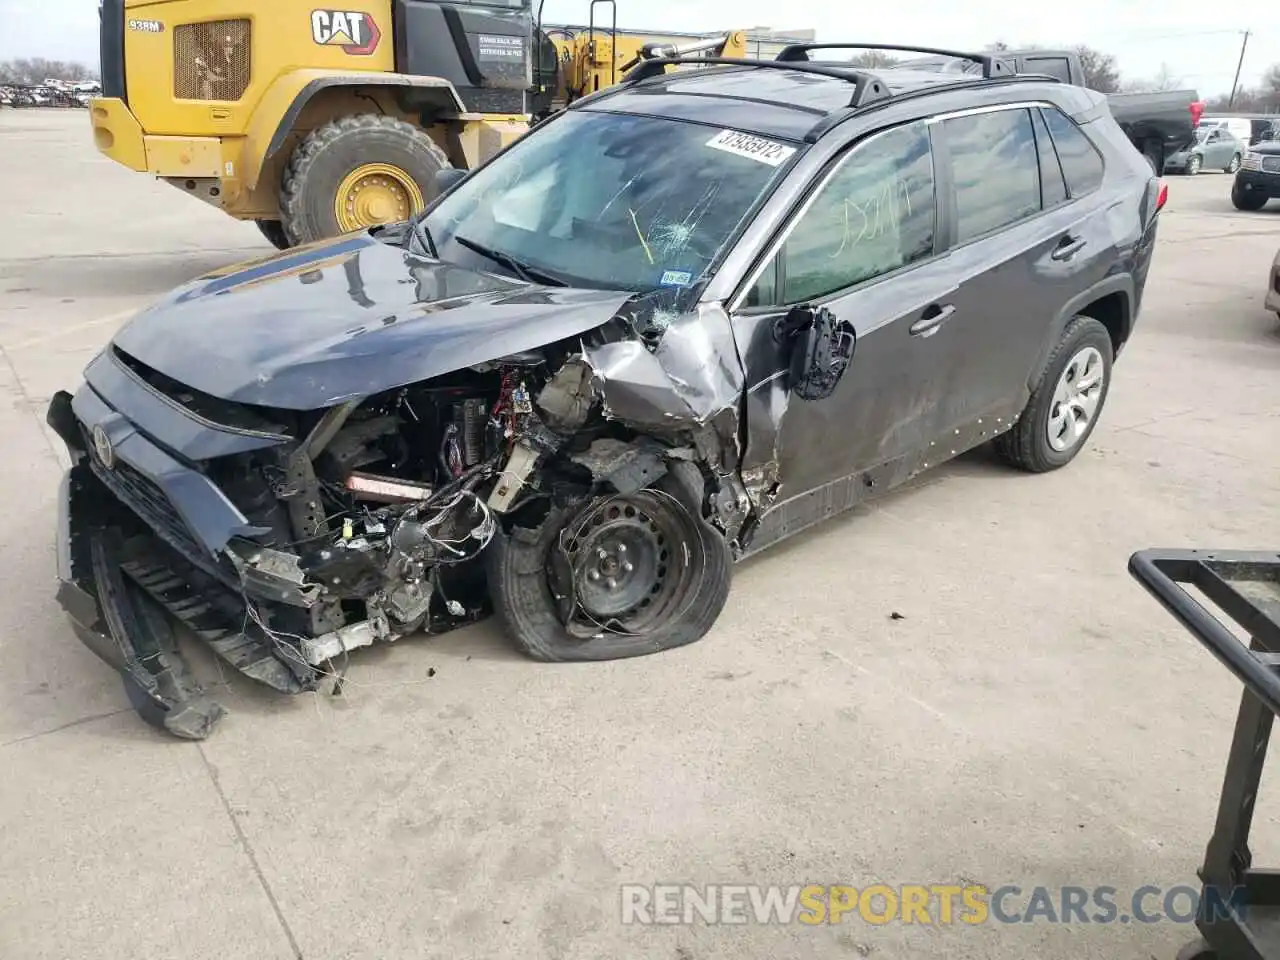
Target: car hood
[(1268, 148), (346, 318)]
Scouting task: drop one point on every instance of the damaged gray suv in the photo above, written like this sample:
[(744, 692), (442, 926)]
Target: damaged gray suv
[(673, 325)]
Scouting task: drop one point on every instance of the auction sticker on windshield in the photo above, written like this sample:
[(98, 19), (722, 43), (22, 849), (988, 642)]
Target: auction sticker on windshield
[(755, 148)]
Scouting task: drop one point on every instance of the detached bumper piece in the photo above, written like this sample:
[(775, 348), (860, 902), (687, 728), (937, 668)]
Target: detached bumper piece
[(1239, 916), (124, 583)]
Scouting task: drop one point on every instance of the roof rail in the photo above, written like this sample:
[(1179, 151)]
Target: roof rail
[(867, 87), (992, 66)]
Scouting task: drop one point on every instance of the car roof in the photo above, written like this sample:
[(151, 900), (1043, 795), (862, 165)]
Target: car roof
[(785, 101)]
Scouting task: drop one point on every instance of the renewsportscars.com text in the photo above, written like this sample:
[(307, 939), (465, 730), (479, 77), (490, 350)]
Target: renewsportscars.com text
[(934, 904)]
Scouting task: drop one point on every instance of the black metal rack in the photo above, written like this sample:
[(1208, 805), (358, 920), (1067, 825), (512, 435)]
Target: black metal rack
[(1239, 916), (992, 65)]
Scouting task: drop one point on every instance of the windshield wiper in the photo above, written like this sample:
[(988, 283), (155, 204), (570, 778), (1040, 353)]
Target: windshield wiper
[(418, 230), (522, 270)]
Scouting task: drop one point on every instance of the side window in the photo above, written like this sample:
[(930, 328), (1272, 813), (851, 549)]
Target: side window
[(1053, 188), (1081, 162), (874, 215), (996, 170), (1049, 66)]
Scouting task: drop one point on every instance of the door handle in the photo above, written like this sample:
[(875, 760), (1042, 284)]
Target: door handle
[(1068, 247), (934, 316)]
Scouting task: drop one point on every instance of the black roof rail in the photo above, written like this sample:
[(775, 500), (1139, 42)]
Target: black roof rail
[(992, 66), (867, 87)]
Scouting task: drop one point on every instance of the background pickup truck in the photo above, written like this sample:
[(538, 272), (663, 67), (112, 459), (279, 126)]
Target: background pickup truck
[(1158, 124)]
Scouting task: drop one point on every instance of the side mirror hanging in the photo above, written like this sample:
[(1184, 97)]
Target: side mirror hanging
[(821, 348)]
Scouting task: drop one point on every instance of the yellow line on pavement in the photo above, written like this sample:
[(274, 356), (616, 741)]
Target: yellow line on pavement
[(74, 328)]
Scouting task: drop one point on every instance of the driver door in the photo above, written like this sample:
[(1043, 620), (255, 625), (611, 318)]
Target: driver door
[(859, 255)]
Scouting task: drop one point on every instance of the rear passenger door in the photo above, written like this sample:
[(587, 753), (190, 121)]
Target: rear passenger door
[(1027, 236)]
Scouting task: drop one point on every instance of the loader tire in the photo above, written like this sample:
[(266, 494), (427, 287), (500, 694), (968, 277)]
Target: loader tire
[(377, 169), (273, 230)]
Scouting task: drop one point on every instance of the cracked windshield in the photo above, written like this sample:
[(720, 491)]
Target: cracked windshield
[(609, 200)]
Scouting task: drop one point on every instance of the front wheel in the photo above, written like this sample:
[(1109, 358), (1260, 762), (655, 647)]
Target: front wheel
[(1065, 405), (617, 576), (1234, 165), (1194, 163), (1243, 199), (273, 230)]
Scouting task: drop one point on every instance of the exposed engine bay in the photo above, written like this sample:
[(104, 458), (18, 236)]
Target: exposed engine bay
[(392, 498)]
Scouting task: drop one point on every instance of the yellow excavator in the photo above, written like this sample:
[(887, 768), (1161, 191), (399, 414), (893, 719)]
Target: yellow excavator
[(314, 122)]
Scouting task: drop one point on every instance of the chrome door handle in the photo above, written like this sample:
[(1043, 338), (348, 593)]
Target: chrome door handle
[(933, 317), (1068, 248)]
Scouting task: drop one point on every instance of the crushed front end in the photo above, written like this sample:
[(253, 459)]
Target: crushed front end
[(582, 491), (283, 540)]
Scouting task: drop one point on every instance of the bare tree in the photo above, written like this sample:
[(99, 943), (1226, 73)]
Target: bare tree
[(872, 59), (37, 70), (1165, 79), (1100, 70)]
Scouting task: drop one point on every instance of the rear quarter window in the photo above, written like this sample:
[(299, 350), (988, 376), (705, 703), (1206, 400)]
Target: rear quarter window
[(1081, 161)]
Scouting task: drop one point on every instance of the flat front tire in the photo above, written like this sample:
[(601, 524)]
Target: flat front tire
[(1066, 403), (619, 576)]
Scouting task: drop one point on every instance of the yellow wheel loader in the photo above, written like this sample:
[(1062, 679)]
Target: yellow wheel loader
[(317, 121)]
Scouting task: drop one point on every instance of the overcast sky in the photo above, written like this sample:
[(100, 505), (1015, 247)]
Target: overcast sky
[(1199, 41)]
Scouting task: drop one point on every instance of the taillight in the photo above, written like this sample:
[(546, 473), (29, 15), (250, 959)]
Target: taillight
[(1162, 197), (1197, 111)]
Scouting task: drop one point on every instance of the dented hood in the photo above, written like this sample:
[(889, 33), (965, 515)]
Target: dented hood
[(346, 318)]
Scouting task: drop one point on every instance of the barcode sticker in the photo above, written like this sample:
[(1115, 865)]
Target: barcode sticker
[(754, 148)]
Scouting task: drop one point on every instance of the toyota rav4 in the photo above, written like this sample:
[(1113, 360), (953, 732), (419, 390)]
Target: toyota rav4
[(675, 324)]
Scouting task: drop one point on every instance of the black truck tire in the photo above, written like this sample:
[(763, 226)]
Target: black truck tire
[(1251, 200), (521, 565), (1027, 445), (1153, 150), (328, 155)]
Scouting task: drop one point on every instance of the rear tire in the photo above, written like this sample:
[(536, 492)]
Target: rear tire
[(1085, 345), (1154, 152), (273, 230), (330, 155), (1247, 199), (537, 576)]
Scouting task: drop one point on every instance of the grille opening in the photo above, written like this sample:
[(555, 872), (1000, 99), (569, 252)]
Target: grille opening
[(238, 416), (211, 61)]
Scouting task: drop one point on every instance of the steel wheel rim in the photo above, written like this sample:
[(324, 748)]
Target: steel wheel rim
[(1076, 399), (375, 193), (659, 539)]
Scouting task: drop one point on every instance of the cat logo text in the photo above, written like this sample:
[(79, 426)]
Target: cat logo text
[(352, 30)]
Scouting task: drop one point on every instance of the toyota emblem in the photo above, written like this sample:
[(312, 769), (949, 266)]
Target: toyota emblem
[(103, 448)]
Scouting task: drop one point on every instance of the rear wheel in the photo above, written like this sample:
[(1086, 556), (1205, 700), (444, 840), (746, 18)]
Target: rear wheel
[(621, 576), (1247, 199), (356, 172), (1065, 405), (1154, 152), (1194, 163)]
